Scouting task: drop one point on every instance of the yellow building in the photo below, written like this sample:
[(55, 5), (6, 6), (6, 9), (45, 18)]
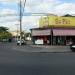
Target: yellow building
[(57, 21), (54, 30)]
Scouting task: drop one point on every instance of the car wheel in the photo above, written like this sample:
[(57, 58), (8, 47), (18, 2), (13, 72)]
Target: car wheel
[(17, 44), (73, 50)]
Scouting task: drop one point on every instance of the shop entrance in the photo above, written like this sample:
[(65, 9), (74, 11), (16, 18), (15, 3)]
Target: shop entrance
[(46, 39), (58, 40), (63, 40), (70, 40)]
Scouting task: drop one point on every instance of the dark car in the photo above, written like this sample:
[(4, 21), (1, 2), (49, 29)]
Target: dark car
[(72, 46)]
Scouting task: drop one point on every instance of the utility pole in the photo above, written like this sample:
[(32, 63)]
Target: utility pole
[(17, 32), (20, 23)]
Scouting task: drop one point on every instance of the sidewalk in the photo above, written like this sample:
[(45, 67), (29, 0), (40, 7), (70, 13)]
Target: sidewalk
[(48, 48), (43, 48)]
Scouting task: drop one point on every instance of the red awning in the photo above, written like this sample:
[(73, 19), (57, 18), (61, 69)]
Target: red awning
[(64, 32), (41, 32)]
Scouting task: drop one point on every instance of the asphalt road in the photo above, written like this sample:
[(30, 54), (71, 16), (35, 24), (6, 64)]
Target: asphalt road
[(14, 62)]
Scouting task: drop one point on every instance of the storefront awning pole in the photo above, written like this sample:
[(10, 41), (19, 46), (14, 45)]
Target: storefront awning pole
[(51, 36)]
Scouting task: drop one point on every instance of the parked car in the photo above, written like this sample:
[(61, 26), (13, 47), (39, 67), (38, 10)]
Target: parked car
[(23, 42), (72, 46)]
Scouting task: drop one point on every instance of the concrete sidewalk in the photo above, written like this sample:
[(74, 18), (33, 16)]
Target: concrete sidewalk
[(48, 48), (34, 48), (38, 48)]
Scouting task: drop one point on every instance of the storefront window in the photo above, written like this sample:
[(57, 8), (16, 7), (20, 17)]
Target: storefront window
[(58, 40), (54, 40), (70, 40)]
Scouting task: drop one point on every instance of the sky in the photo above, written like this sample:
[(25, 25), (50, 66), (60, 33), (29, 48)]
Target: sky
[(10, 7)]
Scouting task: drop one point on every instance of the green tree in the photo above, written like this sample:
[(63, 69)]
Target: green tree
[(4, 34), (3, 29), (28, 34)]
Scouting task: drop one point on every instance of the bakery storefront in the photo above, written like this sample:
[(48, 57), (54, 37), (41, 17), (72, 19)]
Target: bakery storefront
[(54, 30), (63, 36), (41, 36), (54, 36)]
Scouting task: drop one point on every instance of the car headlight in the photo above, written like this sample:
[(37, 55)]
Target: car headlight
[(73, 46)]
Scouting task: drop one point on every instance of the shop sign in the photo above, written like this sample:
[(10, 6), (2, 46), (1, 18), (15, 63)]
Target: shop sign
[(39, 42), (57, 21)]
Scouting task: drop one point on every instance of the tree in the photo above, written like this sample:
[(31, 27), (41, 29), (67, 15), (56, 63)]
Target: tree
[(28, 34), (3, 29), (68, 15), (4, 34)]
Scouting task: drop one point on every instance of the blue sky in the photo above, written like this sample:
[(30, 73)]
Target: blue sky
[(68, 1), (12, 5), (33, 6)]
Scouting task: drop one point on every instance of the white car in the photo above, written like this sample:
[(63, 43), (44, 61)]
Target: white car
[(22, 42)]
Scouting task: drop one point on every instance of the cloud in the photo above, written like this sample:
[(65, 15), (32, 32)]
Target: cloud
[(7, 20), (34, 6), (66, 8), (27, 23), (50, 6), (8, 1), (40, 6), (7, 15), (11, 25), (11, 1), (8, 11), (30, 22)]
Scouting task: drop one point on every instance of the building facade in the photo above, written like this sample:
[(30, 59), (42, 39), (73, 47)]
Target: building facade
[(54, 30)]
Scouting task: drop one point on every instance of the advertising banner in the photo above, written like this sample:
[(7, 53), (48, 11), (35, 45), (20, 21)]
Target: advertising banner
[(57, 21)]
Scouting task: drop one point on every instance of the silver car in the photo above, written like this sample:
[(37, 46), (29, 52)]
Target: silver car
[(23, 42), (72, 46)]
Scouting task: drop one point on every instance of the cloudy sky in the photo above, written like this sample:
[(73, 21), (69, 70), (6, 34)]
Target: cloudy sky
[(10, 7)]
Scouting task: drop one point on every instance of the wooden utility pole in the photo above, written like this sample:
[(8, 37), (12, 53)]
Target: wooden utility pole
[(20, 23)]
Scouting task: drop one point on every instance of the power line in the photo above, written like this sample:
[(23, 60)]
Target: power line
[(26, 14)]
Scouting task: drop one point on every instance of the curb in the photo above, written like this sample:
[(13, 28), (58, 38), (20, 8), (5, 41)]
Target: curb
[(38, 46), (42, 51)]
